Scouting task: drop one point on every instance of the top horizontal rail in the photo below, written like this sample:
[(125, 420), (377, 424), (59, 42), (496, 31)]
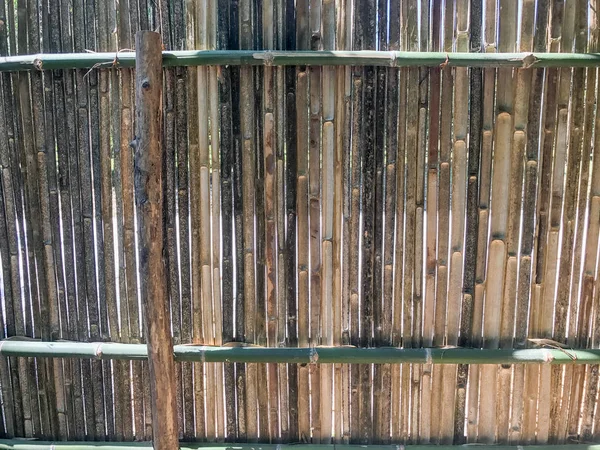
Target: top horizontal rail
[(54, 61), (302, 355)]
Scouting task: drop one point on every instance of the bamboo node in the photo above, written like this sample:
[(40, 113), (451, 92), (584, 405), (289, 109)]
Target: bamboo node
[(529, 61), (267, 57), (314, 355), (445, 63), (428, 357)]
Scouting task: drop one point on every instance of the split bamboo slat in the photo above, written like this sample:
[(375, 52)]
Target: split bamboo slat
[(380, 224)]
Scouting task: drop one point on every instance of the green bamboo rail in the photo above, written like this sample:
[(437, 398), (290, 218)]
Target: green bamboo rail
[(50, 61), (17, 444), (307, 355)]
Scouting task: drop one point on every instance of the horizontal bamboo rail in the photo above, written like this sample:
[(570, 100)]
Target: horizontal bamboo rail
[(17, 444), (306, 355), (50, 61)]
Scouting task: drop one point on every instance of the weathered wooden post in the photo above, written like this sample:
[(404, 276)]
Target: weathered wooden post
[(149, 190)]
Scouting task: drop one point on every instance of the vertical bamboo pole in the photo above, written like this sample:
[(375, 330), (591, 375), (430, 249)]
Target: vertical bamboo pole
[(315, 203), (129, 299), (226, 146), (240, 368), (521, 170), (560, 202), (343, 134), (9, 250), (261, 333), (568, 300), (216, 221), (472, 214), (66, 142), (291, 171), (78, 141), (354, 225), (367, 40), (542, 310), (303, 251), (96, 304), (380, 430), (149, 188), (248, 183), (270, 211), (390, 138), (486, 398), (397, 14), (202, 208), (22, 308), (592, 230), (428, 392), (14, 420), (443, 226), (331, 173), (281, 128)]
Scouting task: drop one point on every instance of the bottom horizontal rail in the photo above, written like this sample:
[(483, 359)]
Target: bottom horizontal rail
[(307, 355), (21, 444)]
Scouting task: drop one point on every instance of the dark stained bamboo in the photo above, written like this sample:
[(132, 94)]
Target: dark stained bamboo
[(367, 13), (291, 169), (388, 137), (13, 409), (149, 188), (129, 298), (66, 142), (97, 305), (226, 146)]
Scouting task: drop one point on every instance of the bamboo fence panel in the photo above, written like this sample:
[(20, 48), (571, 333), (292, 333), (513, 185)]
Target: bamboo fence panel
[(452, 203)]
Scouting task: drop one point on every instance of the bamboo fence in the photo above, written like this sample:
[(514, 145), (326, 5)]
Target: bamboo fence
[(381, 222)]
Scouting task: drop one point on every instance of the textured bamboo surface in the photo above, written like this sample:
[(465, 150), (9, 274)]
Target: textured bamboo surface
[(452, 203)]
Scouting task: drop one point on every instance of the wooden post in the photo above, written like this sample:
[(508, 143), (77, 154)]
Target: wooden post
[(149, 190)]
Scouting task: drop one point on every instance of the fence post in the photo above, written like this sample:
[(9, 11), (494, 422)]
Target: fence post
[(149, 188)]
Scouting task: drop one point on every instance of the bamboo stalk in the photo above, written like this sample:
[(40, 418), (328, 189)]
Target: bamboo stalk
[(315, 76), (291, 171), (226, 208), (485, 399), (270, 212), (96, 60), (544, 268), (560, 199), (15, 444), (354, 231), (302, 143), (248, 184), (304, 355), (330, 320), (591, 227), (443, 231), (13, 411)]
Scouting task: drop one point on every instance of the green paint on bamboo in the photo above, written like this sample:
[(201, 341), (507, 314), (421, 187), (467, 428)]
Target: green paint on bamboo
[(307, 355), (52, 61)]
